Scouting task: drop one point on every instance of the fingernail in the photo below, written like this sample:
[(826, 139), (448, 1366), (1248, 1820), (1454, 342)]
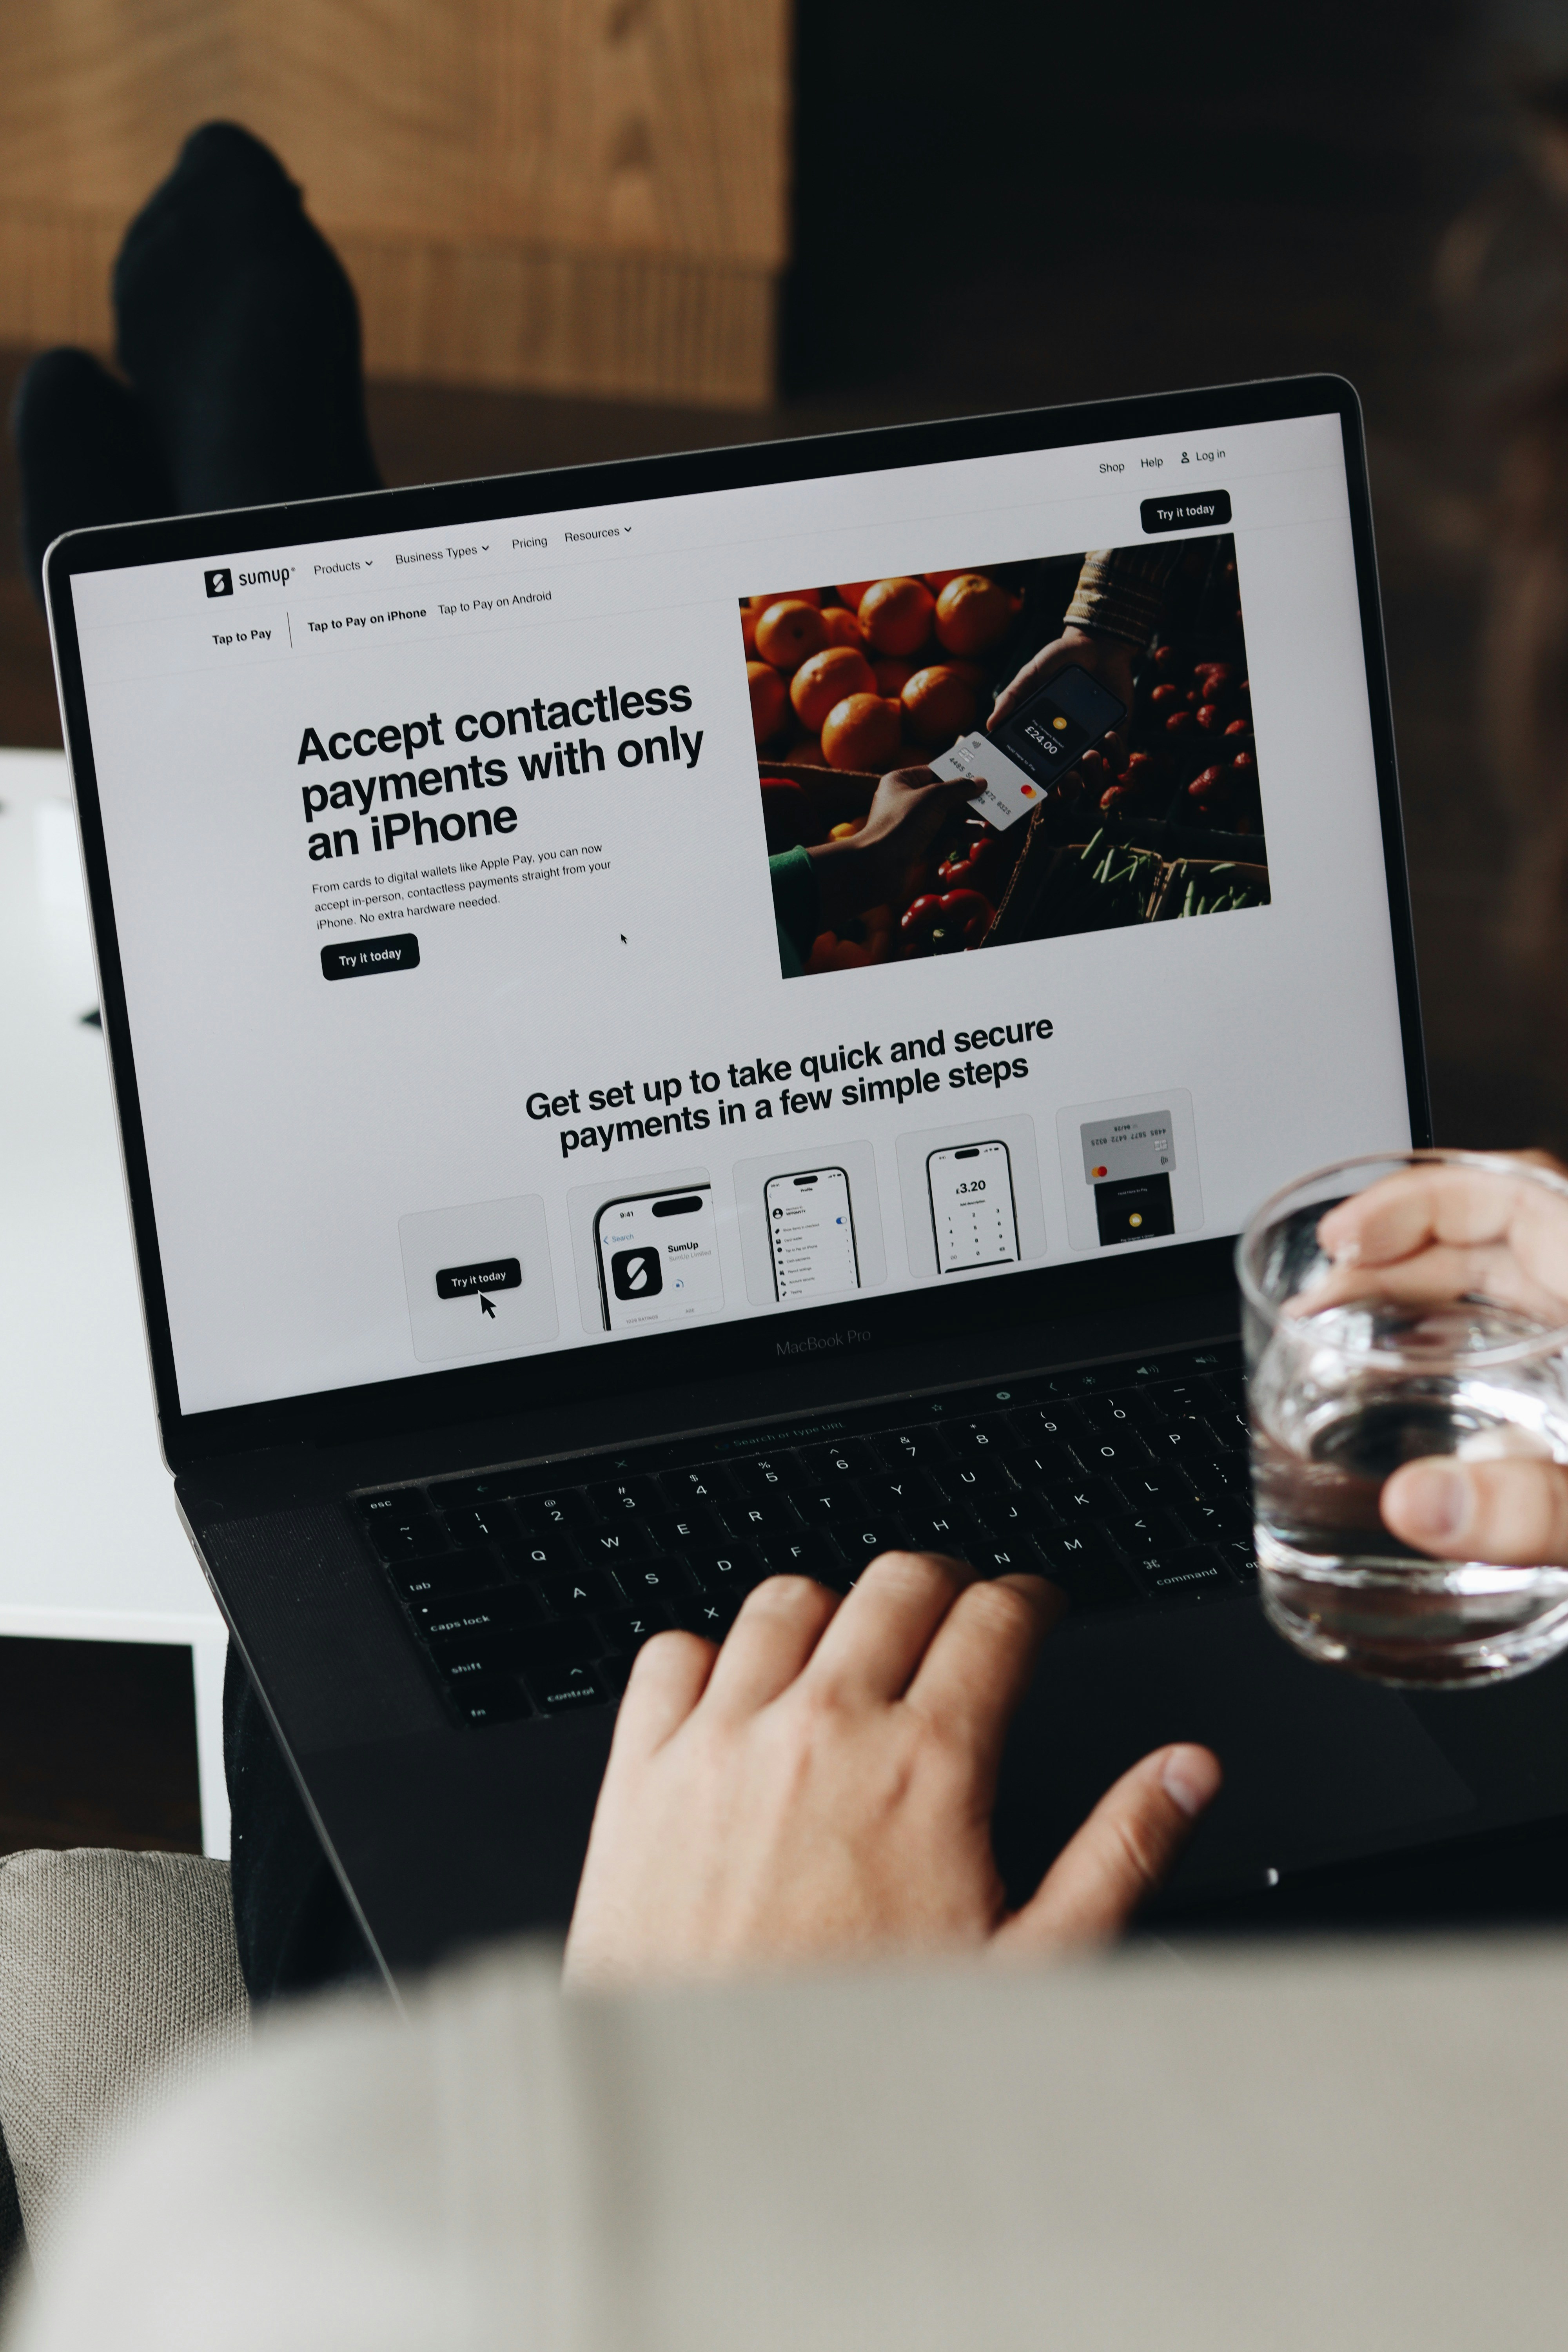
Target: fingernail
[(1190, 1777), (1434, 1500)]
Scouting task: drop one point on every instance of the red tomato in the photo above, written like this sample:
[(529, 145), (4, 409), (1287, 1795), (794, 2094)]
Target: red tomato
[(1212, 784), (1238, 727), (1165, 692), (1209, 715), (1164, 657), (1178, 722)]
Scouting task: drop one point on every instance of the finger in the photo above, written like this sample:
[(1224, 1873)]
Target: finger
[(880, 1635), (1439, 1272), (1511, 1513), (1034, 673), (1123, 1851), (979, 1662), (770, 1643), (669, 1676)]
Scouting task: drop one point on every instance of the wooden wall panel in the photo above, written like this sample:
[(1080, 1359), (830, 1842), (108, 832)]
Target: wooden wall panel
[(562, 194)]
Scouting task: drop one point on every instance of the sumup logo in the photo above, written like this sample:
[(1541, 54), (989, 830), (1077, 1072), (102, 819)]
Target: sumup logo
[(219, 583)]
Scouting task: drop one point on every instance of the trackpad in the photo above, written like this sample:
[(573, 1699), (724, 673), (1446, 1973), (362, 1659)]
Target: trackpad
[(1318, 1765)]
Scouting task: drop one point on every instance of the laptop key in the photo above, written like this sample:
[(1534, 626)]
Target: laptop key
[(1071, 1550), (711, 1615), (1195, 1573), (723, 1567), (421, 1539), (626, 1499), (861, 1539), (471, 1524), (562, 1506), (987, 1442), (921, 1448), (454, 1571), (648, 1580), (765, 1478), (679, 1530), (586, 1594), (961, 1486), (807, 1554), (568, 1692), (498, 1699), (1112, 1457), (608, 1547), (750, 1521), (624, 1631), (1073, 1500), (546, 1551), (702, 1487), (550, 1650), (499, 1612), (994, 1557), (824, 1506), (852, 1459), (1157, 1528)]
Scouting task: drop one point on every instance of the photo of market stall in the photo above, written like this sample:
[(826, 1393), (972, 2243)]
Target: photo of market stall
[(1161, 820)]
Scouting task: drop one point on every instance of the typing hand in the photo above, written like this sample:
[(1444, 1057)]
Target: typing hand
[(820, 1788)]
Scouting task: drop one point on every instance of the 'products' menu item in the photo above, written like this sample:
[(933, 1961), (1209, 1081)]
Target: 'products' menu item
[(659, 1259), (972, 1210), (811, 1233)]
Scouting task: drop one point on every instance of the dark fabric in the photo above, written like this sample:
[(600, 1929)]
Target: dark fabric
[(238, 332), (13, 2246), (291, 1919), (86, 452), (238, 327)]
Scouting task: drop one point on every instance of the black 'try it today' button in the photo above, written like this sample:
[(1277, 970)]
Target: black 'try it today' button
[(464, 1281), (358, 959), (1186, 510)]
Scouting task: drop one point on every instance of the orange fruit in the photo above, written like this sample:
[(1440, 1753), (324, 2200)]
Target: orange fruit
[(846, 832), (852, 591), (939, 704), (825, 678), (893, 677), (861, 732), (972, 613), (794, 596), (749, 631), (769, 700), (842, 627), (896, 616), (937, 581), (788, 632)]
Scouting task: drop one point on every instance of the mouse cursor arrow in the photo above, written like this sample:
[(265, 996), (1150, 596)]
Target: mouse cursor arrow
[(485, 1307)]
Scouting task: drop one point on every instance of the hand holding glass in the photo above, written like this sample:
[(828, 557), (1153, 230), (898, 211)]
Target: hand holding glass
[(1405, 1322)]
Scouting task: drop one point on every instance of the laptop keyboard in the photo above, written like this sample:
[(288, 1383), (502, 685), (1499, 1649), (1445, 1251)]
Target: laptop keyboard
[(530, 1590)]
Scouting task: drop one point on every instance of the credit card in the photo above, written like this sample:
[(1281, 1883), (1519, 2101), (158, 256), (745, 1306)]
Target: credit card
[(1007, 793)]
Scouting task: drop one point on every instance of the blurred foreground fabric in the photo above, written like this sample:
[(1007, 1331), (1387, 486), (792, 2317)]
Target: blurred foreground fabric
[(1341, 2146)]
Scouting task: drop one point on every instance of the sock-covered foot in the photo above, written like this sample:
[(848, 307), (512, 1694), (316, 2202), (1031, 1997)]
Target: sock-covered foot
[(240, 332), (85, 452)]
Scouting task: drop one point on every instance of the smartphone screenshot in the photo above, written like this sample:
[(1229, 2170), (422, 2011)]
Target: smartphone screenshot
[(811, 1233), (972, 1211), (658, 1258)]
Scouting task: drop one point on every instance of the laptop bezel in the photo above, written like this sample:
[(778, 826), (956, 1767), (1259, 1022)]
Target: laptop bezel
[(731, 1351)]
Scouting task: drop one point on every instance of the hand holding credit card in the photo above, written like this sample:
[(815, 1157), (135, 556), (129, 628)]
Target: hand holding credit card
[(1034, 746)]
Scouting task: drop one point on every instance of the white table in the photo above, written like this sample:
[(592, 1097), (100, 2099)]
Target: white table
[(92, 1548)]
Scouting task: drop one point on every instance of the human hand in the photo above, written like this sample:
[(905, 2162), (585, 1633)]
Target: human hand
[(1109, 659), (1437, 1234), (908, 809), (820, 1788)]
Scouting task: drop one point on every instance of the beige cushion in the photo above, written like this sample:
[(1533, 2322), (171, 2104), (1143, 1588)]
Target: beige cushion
[(117, 1972)]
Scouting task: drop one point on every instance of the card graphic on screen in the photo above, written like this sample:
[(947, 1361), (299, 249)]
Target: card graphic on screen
[(811, 1234), (657, 1257), (971, 1209), (1034, 746), (1129, 1162)]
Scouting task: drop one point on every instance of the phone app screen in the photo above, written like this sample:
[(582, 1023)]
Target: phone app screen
[(811, 1233), (659, 1259), (972, 1211)]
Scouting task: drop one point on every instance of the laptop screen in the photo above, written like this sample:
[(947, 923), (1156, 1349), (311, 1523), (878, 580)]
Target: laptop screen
[(522, 952)]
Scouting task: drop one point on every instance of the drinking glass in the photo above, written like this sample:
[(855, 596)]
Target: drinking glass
[(1428, 1316)]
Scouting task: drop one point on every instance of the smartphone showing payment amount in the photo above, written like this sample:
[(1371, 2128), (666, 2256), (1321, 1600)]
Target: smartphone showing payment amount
[(658, 1258), (811, 1233), (972, 1211)]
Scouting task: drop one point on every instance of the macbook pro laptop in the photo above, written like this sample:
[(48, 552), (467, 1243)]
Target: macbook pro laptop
[(573, 1177)]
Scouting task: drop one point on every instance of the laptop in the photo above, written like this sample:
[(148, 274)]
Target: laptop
[(574, 1175)]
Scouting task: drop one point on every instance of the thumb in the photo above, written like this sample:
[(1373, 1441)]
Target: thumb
[(1512, 1512), (1124, 1851)]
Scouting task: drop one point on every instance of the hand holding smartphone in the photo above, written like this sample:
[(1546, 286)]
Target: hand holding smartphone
[(1033, 746)]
